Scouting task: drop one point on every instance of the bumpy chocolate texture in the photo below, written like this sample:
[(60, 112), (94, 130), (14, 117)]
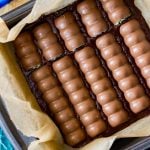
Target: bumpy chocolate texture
[(47, 41), (91, 18), (70, 31), (79, 75), (26, 51), (101, 86), (123, 73), (58, 105), (116, 9), (138, 45), (79, 96)]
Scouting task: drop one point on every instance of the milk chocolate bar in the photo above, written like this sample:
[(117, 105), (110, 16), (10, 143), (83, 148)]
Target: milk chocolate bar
[(91, 18), (26, 51), (58, 105), (101, 86), (138, 45), (69, 31), (47, 41), (117, 10), (122, 72), (88, 65), (84, 106)]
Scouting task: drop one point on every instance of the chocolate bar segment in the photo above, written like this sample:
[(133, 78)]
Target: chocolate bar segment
[(116, 9), (101, 86), (123, 73), (89, 92), (91, 18), (82, 102), (138, 45), (69, 31), (47, 41), (58, 105), (27, 51)]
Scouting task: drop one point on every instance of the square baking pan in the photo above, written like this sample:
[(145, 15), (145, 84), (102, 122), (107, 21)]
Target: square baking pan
[(18, 140)]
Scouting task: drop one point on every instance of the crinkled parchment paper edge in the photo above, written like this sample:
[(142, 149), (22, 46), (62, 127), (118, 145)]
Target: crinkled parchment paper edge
[(21, 104)]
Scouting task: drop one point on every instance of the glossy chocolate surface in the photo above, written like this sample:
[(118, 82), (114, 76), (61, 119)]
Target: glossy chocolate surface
[(94, 78)]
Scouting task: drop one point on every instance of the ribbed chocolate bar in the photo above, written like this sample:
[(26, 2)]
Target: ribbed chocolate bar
[(88, 65)]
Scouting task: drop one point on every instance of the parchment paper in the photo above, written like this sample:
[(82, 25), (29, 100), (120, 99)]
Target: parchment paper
[(21, 104)]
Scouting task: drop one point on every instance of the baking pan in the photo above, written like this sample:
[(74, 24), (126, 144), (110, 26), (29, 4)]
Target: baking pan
[(18, 140), (21, 142), (12, 17)]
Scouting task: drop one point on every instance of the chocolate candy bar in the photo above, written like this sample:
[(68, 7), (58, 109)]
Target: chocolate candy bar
[(88, 65)]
